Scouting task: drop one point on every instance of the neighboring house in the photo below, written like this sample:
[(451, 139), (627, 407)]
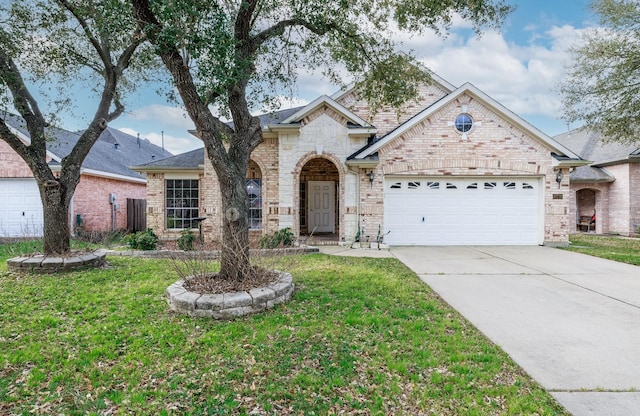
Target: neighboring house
[(105, 176), (455, 167), (609, 187)]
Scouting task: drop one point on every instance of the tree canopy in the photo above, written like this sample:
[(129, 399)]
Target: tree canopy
[(602, 87), (238, 54), (268, 43)]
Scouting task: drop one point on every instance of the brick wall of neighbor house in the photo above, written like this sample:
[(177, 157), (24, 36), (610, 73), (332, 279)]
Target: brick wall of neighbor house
[(619, 191), (91, 197), (495, 147), (601, 205), (91, 201), (634, 192), (12, 165)]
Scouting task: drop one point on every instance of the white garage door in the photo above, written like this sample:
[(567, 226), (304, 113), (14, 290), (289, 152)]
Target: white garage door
[(20, 208), (462, 211)]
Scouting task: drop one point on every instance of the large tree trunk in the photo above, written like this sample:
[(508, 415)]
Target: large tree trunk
[(234, 257), (230, 162), (56, 232)]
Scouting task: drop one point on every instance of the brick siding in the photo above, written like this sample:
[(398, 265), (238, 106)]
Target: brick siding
[(318, 151), (91, 202), (11, 164), (91, 197), (493, 147)]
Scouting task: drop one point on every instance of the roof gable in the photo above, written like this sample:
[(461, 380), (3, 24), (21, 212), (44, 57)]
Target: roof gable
[(321, 102), (435, 78), (473, 91), (192, 160)]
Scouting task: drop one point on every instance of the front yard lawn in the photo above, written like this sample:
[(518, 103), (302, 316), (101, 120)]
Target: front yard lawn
[(626, 250), (360, 336)]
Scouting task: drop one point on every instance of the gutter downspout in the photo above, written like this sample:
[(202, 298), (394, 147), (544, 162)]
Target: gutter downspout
[(72, 227)]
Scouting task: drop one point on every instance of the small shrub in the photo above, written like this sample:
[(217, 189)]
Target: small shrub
[(280, 238), (142, 240), (185, 241)]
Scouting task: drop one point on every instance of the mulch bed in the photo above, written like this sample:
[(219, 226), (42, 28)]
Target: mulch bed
[(211, 284)]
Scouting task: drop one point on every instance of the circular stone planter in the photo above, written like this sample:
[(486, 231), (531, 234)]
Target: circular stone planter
[(50, 264), (229, 305)]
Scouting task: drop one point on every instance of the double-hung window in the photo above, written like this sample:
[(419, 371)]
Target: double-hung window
[(182, 197)]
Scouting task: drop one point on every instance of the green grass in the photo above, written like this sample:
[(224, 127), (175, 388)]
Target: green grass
[(360, 336), (625, 250), (24, 247)]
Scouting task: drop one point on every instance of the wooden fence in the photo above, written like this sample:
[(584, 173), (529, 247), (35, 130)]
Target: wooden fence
[(136, 215)]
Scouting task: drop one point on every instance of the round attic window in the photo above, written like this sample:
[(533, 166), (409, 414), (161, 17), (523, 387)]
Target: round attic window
[(463, 123)]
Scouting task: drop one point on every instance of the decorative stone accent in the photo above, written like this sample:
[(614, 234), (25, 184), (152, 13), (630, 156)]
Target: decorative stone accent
[(47, 264), (229, 305)]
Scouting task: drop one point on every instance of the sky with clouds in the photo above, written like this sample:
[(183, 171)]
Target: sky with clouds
[(520, 66)]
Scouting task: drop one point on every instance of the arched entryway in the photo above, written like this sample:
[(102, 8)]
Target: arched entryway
[(319, 198), (587, 209)]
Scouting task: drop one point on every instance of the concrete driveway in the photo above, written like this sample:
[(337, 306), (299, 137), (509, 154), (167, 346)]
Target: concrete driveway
[(571, 321)]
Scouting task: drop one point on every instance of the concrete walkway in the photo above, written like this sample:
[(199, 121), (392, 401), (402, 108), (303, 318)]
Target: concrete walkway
[(571, 321)]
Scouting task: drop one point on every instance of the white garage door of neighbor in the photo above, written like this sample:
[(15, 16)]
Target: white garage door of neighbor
[(20, 208), (462, 211)]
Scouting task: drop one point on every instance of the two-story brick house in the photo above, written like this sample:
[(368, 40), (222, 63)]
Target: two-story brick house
[(454, 167)]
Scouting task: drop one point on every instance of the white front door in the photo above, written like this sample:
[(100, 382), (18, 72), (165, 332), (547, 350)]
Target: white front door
[(321, 202)]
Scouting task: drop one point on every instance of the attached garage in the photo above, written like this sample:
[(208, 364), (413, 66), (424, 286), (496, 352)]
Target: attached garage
[(21, 208), (448, 210)]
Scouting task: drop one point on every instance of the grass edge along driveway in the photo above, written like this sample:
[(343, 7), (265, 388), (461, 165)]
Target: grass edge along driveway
[(360, 336), (621, 249)]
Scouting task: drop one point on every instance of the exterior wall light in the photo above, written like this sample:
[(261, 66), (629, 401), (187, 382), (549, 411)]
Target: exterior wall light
[(559, 176), (372, 177)]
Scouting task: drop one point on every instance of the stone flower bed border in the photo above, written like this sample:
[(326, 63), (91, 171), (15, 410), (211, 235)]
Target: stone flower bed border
[(229, 305), (217, 306), (45, 264)]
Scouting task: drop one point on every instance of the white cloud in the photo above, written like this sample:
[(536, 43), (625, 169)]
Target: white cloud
[(157, 122), (174, 144), (523, 78), (285, 102), (169, 116)]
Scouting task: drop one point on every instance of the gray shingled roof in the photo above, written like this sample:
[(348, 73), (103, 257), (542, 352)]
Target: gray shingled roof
[(591, 174), (590, 146), (274, 118), (104, 156), (189, 160), (278, 116), (195, 158)]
